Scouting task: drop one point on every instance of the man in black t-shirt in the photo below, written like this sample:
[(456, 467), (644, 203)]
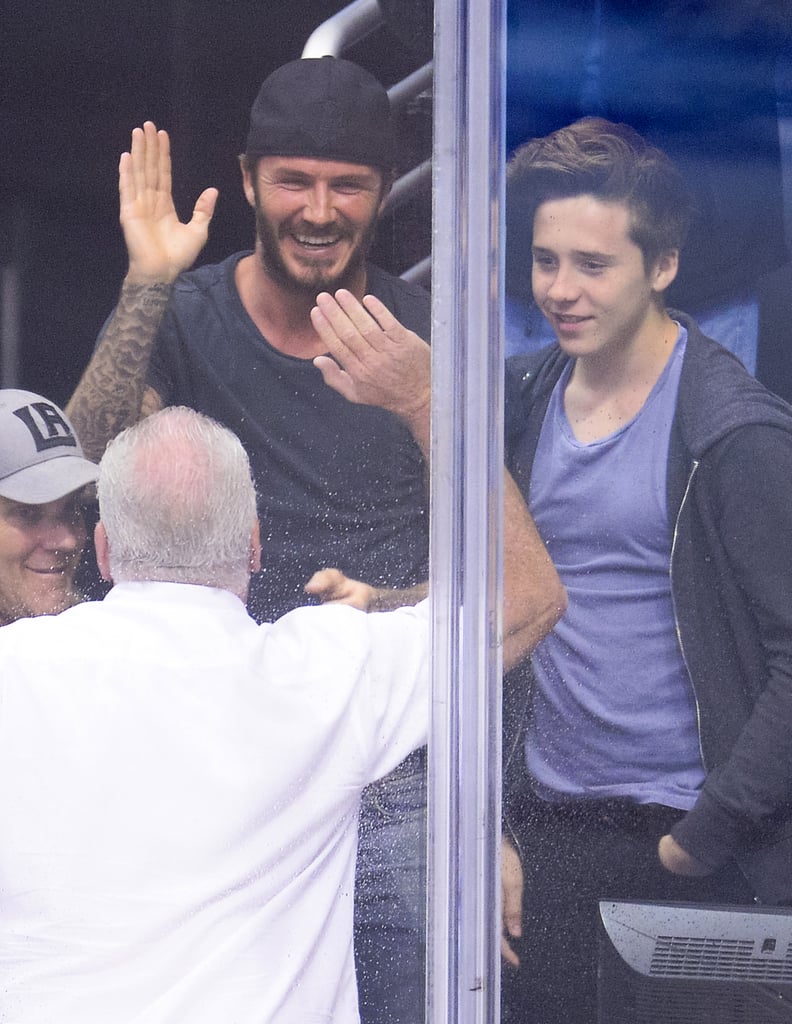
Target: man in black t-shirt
[(338, 484)]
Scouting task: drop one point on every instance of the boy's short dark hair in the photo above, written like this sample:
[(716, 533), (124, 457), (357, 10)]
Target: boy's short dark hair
[(611, 162)]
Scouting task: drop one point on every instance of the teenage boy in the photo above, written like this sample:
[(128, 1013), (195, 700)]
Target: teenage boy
[(654, 755)]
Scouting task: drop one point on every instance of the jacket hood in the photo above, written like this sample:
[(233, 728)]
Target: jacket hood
[(717, 395)]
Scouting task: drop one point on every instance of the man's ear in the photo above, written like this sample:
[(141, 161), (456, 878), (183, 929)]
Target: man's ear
[(255, 548), (247, 181), (102, 551), (665, 270)]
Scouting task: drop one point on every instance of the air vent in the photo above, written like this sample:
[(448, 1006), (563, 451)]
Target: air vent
[(679, 956)]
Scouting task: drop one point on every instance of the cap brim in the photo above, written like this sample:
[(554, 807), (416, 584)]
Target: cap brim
[(50, 480)]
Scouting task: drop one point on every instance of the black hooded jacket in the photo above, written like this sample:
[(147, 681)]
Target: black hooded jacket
[(729, 493)]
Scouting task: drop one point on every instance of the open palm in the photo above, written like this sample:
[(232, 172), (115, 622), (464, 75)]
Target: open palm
[(159, 245)]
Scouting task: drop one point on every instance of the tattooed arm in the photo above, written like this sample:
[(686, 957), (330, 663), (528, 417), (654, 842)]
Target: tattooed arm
[(112, 393)]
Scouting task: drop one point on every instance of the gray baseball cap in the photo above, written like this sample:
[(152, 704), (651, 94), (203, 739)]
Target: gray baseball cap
[(40, 457)]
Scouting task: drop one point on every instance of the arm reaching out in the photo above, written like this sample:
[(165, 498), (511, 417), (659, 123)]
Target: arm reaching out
[(377, 361), (331, 586), (112, 393)]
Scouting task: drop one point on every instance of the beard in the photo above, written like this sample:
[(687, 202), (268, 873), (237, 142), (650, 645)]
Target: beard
[(315, 278)]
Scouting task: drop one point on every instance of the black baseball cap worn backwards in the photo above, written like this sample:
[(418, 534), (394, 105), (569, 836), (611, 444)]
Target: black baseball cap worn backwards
[(323, 108)]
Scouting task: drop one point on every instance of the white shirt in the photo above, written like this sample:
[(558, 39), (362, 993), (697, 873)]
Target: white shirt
[(178, 804)]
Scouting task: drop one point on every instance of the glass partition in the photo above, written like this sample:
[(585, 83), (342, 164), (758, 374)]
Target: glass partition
[(617, 711), (467, 478)]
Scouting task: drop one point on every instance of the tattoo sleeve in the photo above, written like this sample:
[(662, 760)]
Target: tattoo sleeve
[(112, 392)]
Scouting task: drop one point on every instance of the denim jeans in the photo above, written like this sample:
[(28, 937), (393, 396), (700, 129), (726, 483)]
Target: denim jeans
[(390, 897)]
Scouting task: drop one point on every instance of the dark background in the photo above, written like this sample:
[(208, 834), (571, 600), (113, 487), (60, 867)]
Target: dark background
[(75, 78), (696, 76)]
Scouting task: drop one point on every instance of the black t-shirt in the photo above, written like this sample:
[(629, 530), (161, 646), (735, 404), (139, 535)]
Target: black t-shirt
[(338, 484)]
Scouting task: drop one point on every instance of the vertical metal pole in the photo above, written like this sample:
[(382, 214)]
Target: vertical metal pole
[(14, 222), (10, 330), (467, 498)]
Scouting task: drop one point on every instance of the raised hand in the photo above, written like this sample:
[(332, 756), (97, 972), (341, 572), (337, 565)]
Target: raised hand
[(375, 359), (159, 246)]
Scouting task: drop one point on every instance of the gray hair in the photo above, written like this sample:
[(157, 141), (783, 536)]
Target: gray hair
[(177, 501)]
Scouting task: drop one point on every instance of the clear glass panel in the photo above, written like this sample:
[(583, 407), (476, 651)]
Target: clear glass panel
[(710, 83), (466, 514)]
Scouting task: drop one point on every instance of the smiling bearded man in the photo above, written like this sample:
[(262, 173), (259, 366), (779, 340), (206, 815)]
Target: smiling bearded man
[(338, 484)]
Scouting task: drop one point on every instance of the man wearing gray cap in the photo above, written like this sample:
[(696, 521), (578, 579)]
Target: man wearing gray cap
[(338, 484), (42, 530)]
